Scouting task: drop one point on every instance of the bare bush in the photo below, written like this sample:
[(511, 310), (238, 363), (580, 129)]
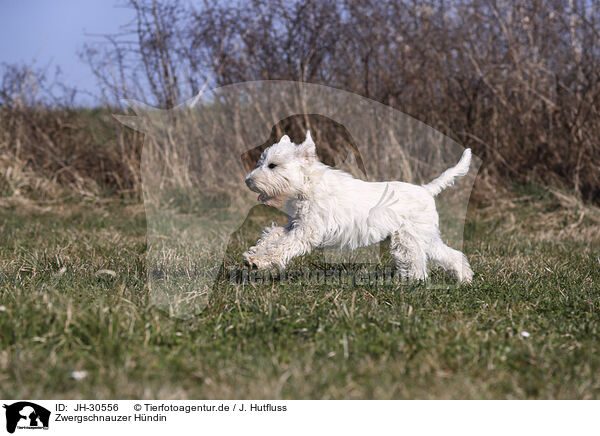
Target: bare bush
[(519, 82), (49, 147)]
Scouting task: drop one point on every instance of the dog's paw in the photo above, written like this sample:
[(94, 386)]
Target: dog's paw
[(252, 260), (248, 257)]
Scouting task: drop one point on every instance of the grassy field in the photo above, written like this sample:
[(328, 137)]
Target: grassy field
[(537, 265)]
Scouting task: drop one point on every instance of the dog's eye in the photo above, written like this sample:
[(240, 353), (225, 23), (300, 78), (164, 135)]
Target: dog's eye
[(272, 165)]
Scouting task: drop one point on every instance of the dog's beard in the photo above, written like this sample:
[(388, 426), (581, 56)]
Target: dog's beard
[(274, 200)]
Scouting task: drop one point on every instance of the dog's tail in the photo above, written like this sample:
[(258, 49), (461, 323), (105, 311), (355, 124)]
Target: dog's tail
[(447, 177)]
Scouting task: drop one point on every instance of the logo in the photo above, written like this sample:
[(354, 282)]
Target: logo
[(26, 415), (200, 211)]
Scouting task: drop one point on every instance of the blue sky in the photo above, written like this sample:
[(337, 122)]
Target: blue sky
[(49, 33)]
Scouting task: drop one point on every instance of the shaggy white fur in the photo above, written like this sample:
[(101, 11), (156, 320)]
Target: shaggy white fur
[(329, 208)]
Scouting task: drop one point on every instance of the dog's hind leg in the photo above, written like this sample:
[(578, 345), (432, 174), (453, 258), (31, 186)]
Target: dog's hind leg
[(409, 257), (451, 260)]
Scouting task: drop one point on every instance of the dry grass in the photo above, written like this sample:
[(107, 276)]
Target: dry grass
[(551, 215), (49, 153), (518, 82)]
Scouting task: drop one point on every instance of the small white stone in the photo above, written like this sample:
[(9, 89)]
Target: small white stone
[(109, 272), (525, 334), (79, 375), (2, 308)]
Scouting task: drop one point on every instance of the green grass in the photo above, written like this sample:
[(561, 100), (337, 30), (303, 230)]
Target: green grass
[(285, 340)]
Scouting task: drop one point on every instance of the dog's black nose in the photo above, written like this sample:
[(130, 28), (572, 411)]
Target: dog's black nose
[(249, 182)]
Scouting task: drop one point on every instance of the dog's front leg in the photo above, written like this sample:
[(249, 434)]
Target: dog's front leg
[(270, 236), (294, 242)]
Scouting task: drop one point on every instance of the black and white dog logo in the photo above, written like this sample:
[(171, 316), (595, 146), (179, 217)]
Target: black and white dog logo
[(26, 415)]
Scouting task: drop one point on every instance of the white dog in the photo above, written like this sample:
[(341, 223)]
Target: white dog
[(329, 208)]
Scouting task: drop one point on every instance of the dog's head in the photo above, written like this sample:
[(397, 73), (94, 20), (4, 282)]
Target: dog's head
[(280, 171)]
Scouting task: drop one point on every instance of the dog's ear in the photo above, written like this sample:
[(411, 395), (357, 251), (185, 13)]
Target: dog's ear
[(285, 139), (307, 149)]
